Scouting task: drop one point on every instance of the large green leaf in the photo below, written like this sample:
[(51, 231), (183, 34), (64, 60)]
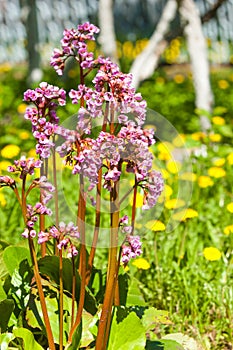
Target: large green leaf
[(6, 309), (152, 317), (49, 266), (29, 342), (163, 345), (128, 334), (12, 257), (134, 296), (34, 315), (5, 339)]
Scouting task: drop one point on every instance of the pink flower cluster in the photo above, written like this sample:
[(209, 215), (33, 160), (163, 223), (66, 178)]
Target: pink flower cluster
[(24, 166), (43, 117), (114, 87), (63, 235), (7, 181), (74, 44), (131, 249), (32, 217)]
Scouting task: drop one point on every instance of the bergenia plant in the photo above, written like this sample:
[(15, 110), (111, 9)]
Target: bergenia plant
[(99, 161)]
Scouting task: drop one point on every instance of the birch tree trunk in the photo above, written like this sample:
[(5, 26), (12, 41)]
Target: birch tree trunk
[(146, 62), (197, 49), (107, 38)]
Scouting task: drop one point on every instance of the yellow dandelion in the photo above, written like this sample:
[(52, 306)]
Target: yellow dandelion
[(141, 263), (167, 191), (4, 165), (160, 80), (219, 161), (223, 84), (2, 199), (139, 200), (205, 181), (212, 253), (228, 229), (197, 136), (216, 172), (165, 174), (218, 120), (10, 151), (174, 203), (173, 166), (230, 207), (188, 176), (215, 137), (24, 135), (165, 149), (185, 214), (32, 153), (179, 78), (230, 158), (155, 225), (179, 140), (22, 108)]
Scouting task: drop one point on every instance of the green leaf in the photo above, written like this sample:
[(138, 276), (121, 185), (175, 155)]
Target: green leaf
[(225, 130), (34, 315), (3, 268), (6, 309), (13, 255), (219, 110), (76, 338), (89, 323), (49, 266), (163, 345), (184, 340), (5, 339), (28, 339), (152, 317), (2, 292), (134, 296), (128, 334)]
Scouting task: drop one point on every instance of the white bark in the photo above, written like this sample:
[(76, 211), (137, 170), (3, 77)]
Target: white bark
[(107, 38), (146, 62), (199, 58)]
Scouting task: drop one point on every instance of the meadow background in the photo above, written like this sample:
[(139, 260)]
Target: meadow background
[(187, 272)]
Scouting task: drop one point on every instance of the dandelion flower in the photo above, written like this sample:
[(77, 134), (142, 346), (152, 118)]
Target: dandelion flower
[(205, 181), (223, 84), (165, 174), (219, 162), (10, 151), (173, 166), (24, 135), (215, 137), (228, 229), (216, 172), (4, 165), (230, 158), (22, 108), (141, 263), (230, 207), (197, 136), (218, 120), (188, 176), (139, 200), (2, 199), (174, 203), (179, 78), (212, 253), (185, 214), (155, 225), (179, 140)]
